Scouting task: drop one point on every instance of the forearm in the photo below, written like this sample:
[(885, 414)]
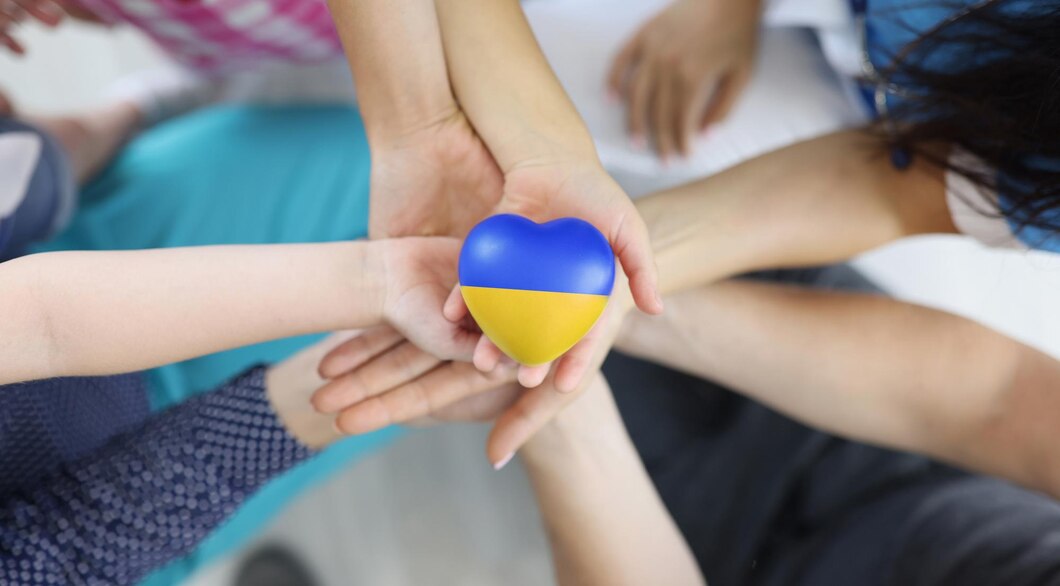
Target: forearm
[(812, 203), (872, 369), (91, 313), (506, 86), (606, 523), (395, 52)]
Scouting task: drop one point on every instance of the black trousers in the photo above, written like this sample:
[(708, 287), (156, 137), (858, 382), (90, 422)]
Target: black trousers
[(764, 500)]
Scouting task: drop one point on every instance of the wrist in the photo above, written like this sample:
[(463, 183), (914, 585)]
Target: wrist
[(583, 435), (396, 126), (290, 386), (701, 233), (365, 271), (530, 147)]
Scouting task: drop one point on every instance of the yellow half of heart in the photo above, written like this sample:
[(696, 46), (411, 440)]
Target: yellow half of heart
[(533, 327)]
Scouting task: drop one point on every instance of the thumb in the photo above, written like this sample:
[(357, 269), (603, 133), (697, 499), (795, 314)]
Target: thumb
[(632, 246)]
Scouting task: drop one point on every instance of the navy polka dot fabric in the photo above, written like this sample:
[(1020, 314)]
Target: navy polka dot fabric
[(148, 496), (45, 424)]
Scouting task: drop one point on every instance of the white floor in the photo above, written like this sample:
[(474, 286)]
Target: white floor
[(430, 510)]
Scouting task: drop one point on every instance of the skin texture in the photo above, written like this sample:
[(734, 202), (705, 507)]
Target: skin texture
[(95, 313), (881, 371)]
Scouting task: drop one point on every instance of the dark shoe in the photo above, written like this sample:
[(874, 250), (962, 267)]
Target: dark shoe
[(274, 565)]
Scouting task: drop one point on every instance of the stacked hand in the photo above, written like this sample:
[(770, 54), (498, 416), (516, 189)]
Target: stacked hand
[(441, 180), (376, 380)]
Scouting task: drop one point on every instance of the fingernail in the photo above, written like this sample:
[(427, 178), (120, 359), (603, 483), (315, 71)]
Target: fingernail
[(611, 97), (503, 461), (637, 143), (659, 302)]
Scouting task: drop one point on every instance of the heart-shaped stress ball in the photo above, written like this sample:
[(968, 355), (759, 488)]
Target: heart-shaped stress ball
[(536, 289)]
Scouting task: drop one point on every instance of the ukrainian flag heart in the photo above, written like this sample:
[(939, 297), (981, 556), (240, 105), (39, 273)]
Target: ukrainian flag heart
[(535, 289)]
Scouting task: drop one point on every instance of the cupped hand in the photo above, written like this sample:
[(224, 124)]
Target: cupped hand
[(419, 274), (545, 191), (584, 190), (438, 179), (684, 70)]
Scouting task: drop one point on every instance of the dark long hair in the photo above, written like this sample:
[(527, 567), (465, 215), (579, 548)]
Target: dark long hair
[(996, 95)]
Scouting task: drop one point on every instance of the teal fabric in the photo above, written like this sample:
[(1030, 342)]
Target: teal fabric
[(235, 175)]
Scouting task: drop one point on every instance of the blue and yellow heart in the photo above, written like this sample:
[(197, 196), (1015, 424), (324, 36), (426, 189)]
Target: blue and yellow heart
[(535, 289)]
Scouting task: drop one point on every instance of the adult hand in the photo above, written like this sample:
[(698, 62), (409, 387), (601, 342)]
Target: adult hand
[(438, 179), (377, 380), (684, 70)]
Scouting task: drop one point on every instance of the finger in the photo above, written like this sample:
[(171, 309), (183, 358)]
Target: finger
[(521, 421), (728, 92), (533, 376), (358, 350), (480, 407), (455, 308), (45, 11), (632, 246), (10, 13), (575, 365), (445, 385), (623, 64), (694, 101), (13, 45), (641, 88), (487, 355), (662, 116), (404, 363)]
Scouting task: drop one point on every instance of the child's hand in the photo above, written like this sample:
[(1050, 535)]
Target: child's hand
[(419, 274), (684, 70), (13, 12)]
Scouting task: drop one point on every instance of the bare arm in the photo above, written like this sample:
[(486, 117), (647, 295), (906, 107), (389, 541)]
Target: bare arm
[(86, 313), (93, 313), (606, 523), (816, 202), (506, 86), (872, 369), (395, 53)]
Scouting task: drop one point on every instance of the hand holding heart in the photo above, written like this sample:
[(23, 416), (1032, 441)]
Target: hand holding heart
[(534, 289), (373, 384), (379, 378), (559, 274)]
